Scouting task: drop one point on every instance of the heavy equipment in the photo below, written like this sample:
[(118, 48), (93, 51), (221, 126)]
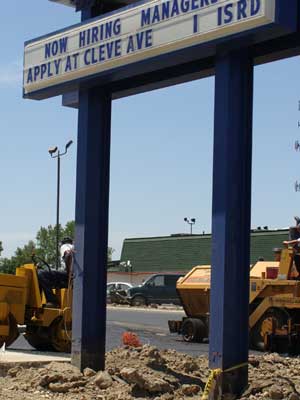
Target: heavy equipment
[(274, 305), (22, 303)]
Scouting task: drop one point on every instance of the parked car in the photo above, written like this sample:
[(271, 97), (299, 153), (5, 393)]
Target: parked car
[(159, 288), (114, 288)]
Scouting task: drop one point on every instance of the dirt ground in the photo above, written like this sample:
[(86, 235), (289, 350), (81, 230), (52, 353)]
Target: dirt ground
[(146, 373)]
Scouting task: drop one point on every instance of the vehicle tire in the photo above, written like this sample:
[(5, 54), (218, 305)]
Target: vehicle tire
[(193, 330), (13, 332), (39, 338), (138, 301), (280, 315), (60, 338)]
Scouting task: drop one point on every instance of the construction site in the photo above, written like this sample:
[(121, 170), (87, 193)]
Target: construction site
[(135, 369), (186, 316)]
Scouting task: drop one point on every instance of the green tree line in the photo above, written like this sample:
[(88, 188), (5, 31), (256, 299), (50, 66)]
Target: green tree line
[(44, 246)]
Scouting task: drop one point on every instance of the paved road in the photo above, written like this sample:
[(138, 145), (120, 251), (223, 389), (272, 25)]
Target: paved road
[(150, 325), (150, 319)]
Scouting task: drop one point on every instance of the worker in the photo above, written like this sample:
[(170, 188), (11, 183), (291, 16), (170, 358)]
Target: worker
[(66, 252), (49, 280), (295, 242)]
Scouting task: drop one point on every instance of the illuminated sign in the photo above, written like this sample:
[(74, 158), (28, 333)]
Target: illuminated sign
[(145, 31)]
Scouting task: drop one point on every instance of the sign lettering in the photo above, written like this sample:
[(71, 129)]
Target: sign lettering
[(135, 34)]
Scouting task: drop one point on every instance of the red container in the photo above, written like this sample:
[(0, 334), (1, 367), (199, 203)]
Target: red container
[(272, 272)]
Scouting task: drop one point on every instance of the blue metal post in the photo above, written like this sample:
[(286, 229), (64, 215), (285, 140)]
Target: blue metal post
[(231, 216), (91, 229), (91, 237), (91, 224)]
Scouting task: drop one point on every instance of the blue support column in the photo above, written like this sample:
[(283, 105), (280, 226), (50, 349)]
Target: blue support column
[(91, 224), (231, 214), (91, 238)]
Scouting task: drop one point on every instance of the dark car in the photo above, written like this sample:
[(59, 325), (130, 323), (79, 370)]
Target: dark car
[(160, 288)]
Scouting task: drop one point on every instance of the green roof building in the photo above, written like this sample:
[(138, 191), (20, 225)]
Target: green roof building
[(180, 252)]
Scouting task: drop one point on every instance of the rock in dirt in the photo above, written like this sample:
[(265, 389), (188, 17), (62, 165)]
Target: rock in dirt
[(88, 372), (150, 383), (157, 385), (153, 356), (294, 396), (276, 392), (103, 380), (65, 387), (132, 375), (14, 371), (45, 378), (190, 390), (190, 366)]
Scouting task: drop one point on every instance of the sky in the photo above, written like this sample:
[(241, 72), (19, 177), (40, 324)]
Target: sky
[(161, 155)]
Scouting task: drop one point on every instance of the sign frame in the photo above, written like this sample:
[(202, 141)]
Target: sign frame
[(285, 21)]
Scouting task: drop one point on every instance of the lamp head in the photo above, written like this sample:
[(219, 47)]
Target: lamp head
[(52, 150), (193, 220), (69, 144)]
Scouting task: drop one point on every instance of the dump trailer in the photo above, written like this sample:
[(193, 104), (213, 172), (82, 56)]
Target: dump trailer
[(274, 305), (22, 303)]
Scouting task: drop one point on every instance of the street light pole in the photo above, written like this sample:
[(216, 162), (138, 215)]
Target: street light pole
[(57, 212), (52, 151), (191, 222)]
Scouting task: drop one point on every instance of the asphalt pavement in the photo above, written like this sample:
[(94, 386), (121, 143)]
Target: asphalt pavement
[(151, 325)]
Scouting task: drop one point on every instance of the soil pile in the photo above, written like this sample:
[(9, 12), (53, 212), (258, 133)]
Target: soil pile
[(131, 373), (147, 373), (273, 377)]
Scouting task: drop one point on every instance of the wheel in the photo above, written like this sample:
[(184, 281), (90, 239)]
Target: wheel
[(13, 332), (60, 335), (264, 326), (138, 301), (193, 330), (39, 338)]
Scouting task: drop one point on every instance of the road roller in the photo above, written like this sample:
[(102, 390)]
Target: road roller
[(22, 303)]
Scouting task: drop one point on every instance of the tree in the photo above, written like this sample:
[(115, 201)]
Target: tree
[(7, 266), (1, 248), (46, 240), (22, 256), (45, 247), (69, 229)]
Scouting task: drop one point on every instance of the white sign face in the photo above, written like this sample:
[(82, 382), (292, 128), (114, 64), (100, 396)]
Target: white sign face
[(144, 31)]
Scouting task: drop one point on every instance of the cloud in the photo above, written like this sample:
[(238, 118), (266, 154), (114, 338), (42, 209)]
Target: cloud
[(11, 74)]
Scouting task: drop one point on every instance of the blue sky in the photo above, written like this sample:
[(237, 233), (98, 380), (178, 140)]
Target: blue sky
[(161, 161)]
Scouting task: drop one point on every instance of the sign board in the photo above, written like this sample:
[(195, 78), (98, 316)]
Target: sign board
[(145, 32)]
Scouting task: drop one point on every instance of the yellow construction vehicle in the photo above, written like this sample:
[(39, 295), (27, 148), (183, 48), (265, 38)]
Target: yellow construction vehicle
[(274, 306), (22, 303)]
